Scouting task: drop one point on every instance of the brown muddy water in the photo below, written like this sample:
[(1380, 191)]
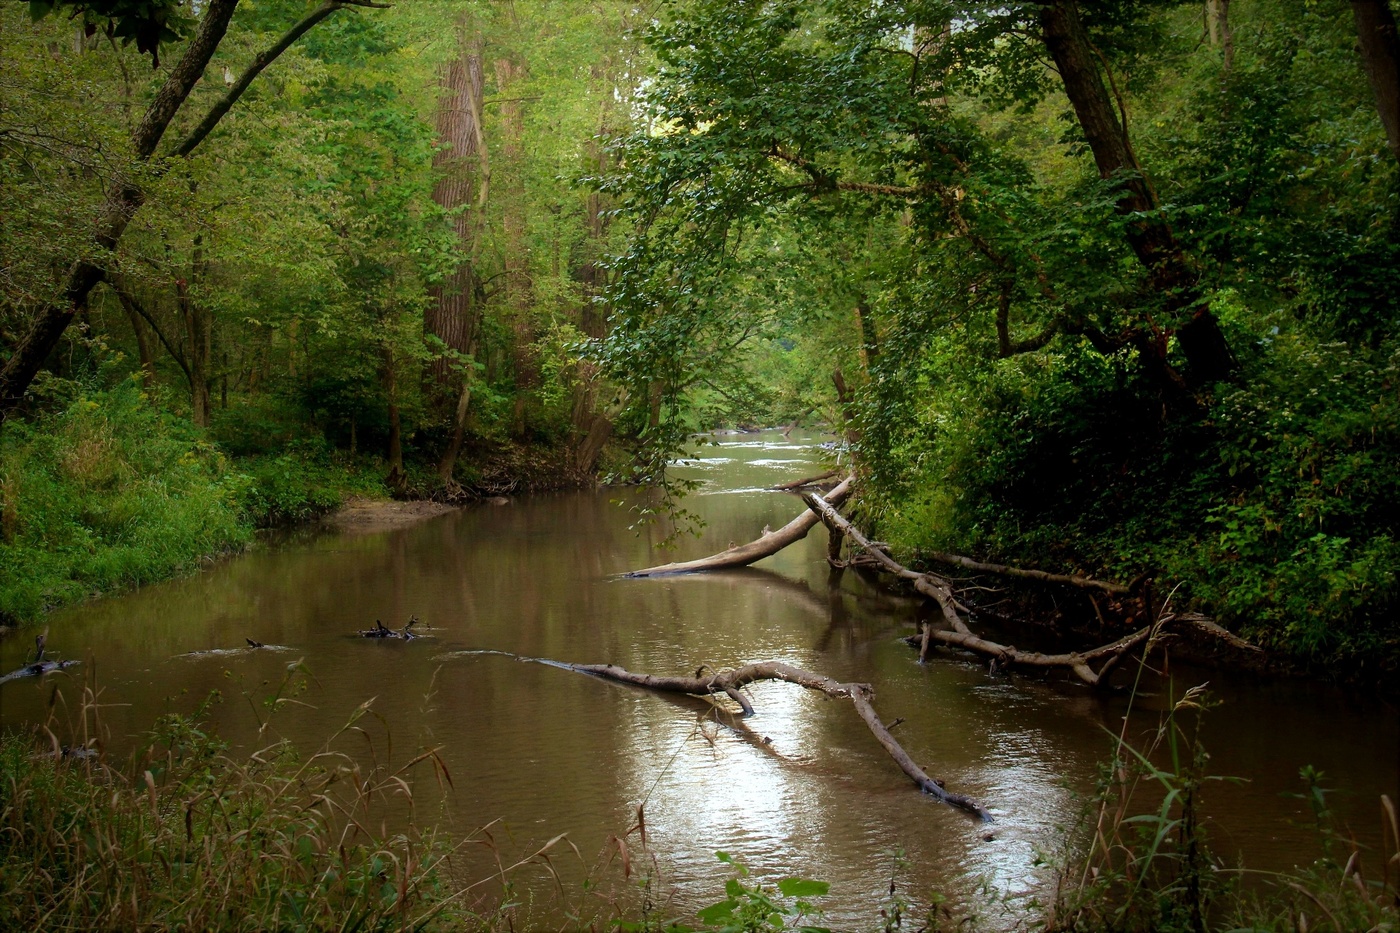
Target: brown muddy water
[(803, 790)]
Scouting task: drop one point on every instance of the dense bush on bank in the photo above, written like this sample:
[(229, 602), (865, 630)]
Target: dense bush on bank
[(108, 490)]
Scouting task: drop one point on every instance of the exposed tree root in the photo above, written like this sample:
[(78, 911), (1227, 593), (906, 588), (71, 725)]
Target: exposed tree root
[(729, 683), (765, 546)]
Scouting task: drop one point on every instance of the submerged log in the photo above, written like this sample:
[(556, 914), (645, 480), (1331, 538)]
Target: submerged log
[(381, 630), (765, 546), (729, 683), (37, 669)]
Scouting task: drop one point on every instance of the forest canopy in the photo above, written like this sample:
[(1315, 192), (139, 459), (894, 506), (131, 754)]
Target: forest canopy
[(1097, 286)]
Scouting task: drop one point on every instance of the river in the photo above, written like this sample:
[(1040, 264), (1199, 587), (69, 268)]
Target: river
[(804, 791)]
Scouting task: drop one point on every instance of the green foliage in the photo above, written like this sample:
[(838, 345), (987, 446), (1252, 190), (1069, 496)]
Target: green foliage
[(1015, 374), (305, 481), (148, 23), (756, 908), (108, 492)]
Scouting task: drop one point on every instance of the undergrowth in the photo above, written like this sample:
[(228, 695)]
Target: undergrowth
[(108, 490)]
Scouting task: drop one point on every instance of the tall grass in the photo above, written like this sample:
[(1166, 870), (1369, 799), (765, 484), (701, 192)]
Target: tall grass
[(1142, 860), (183, 835)]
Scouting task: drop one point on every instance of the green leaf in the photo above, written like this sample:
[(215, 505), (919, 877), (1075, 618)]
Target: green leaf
[(38, 9), (717, 913), (802, 887)]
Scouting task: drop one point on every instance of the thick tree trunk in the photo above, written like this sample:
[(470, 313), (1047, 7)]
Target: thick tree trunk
[(1221, 36), (1151, 237), (1380, 53), (452, 314)]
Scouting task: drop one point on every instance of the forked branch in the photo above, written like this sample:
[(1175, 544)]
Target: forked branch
[(730, 682)]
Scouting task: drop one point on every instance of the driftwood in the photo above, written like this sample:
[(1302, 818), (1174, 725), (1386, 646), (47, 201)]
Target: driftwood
[(381, 630), (765, 546), (729, 682), (38, 667), (959, 635), (803, 483)]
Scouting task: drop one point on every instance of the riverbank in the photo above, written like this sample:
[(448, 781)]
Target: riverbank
[(113, 492)]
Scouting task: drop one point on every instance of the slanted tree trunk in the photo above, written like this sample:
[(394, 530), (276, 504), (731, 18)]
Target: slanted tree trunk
[(1170, 270), (125, 198), (448, 463), (1380, 54), (731, 682), (764, 546), (143, 344)]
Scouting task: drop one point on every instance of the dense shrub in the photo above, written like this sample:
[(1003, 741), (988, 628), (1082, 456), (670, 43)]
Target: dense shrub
[(107, 492)]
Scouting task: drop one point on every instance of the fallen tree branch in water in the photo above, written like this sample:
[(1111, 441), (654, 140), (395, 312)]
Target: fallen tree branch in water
[(941, 591), (765, 546), (729, 683)]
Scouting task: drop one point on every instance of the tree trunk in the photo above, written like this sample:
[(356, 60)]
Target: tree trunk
[(1150, 236), (730, 682), (509, 73), (1380, 53), (1221, 36), (448, 463), (395, 479), (452, 314), (143, 344), (869, 338), (764, 546)]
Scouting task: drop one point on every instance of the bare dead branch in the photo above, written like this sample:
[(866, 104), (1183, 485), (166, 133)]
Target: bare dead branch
[(729, 682)]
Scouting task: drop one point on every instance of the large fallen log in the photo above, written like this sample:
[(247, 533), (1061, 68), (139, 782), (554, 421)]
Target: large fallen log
[(941, 591), (730, 682), (765, 546)]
